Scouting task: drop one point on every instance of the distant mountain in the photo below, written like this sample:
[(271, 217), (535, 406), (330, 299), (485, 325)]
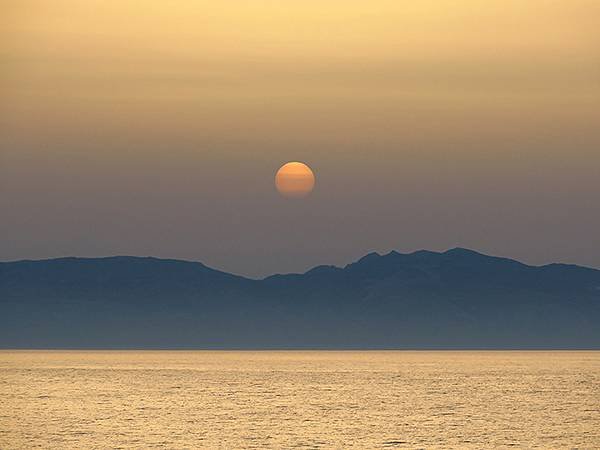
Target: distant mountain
[(456, 299)]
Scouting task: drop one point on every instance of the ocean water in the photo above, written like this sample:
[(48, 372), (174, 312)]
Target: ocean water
[(299, 399)]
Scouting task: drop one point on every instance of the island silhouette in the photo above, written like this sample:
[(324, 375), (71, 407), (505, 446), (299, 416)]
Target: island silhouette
[(423, 300)]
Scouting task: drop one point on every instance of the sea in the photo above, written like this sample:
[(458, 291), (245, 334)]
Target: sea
[(299, 399)]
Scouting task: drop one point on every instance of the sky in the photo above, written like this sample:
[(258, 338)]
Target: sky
[(156, 128)]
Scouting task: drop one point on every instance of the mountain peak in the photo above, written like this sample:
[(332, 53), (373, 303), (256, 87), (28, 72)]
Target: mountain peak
[(460, 251), (425, 253), (369, 257)]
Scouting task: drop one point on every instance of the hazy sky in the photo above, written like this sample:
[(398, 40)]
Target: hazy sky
[(156, 128)]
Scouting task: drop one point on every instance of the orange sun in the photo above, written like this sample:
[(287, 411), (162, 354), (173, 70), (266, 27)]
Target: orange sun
[(294, 179)]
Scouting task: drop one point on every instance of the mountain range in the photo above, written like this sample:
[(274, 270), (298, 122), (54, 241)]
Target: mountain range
[(423, 300)]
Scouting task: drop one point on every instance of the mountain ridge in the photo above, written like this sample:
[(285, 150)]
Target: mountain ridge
[(454, 250), (454, 299)]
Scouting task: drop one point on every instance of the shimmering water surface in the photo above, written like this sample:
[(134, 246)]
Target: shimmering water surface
[(297, 399)]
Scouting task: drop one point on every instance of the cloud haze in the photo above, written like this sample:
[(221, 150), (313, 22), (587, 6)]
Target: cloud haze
[(157, 127)]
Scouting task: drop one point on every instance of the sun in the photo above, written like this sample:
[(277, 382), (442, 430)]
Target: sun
[(295, 180)]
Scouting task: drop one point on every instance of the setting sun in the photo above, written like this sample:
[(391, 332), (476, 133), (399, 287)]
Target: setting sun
[(295, 179)]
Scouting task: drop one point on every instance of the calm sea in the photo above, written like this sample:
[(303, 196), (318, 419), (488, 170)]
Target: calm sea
[(298, 399)]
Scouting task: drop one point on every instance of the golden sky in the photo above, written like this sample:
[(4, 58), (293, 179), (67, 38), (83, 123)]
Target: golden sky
[(430, 109)]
